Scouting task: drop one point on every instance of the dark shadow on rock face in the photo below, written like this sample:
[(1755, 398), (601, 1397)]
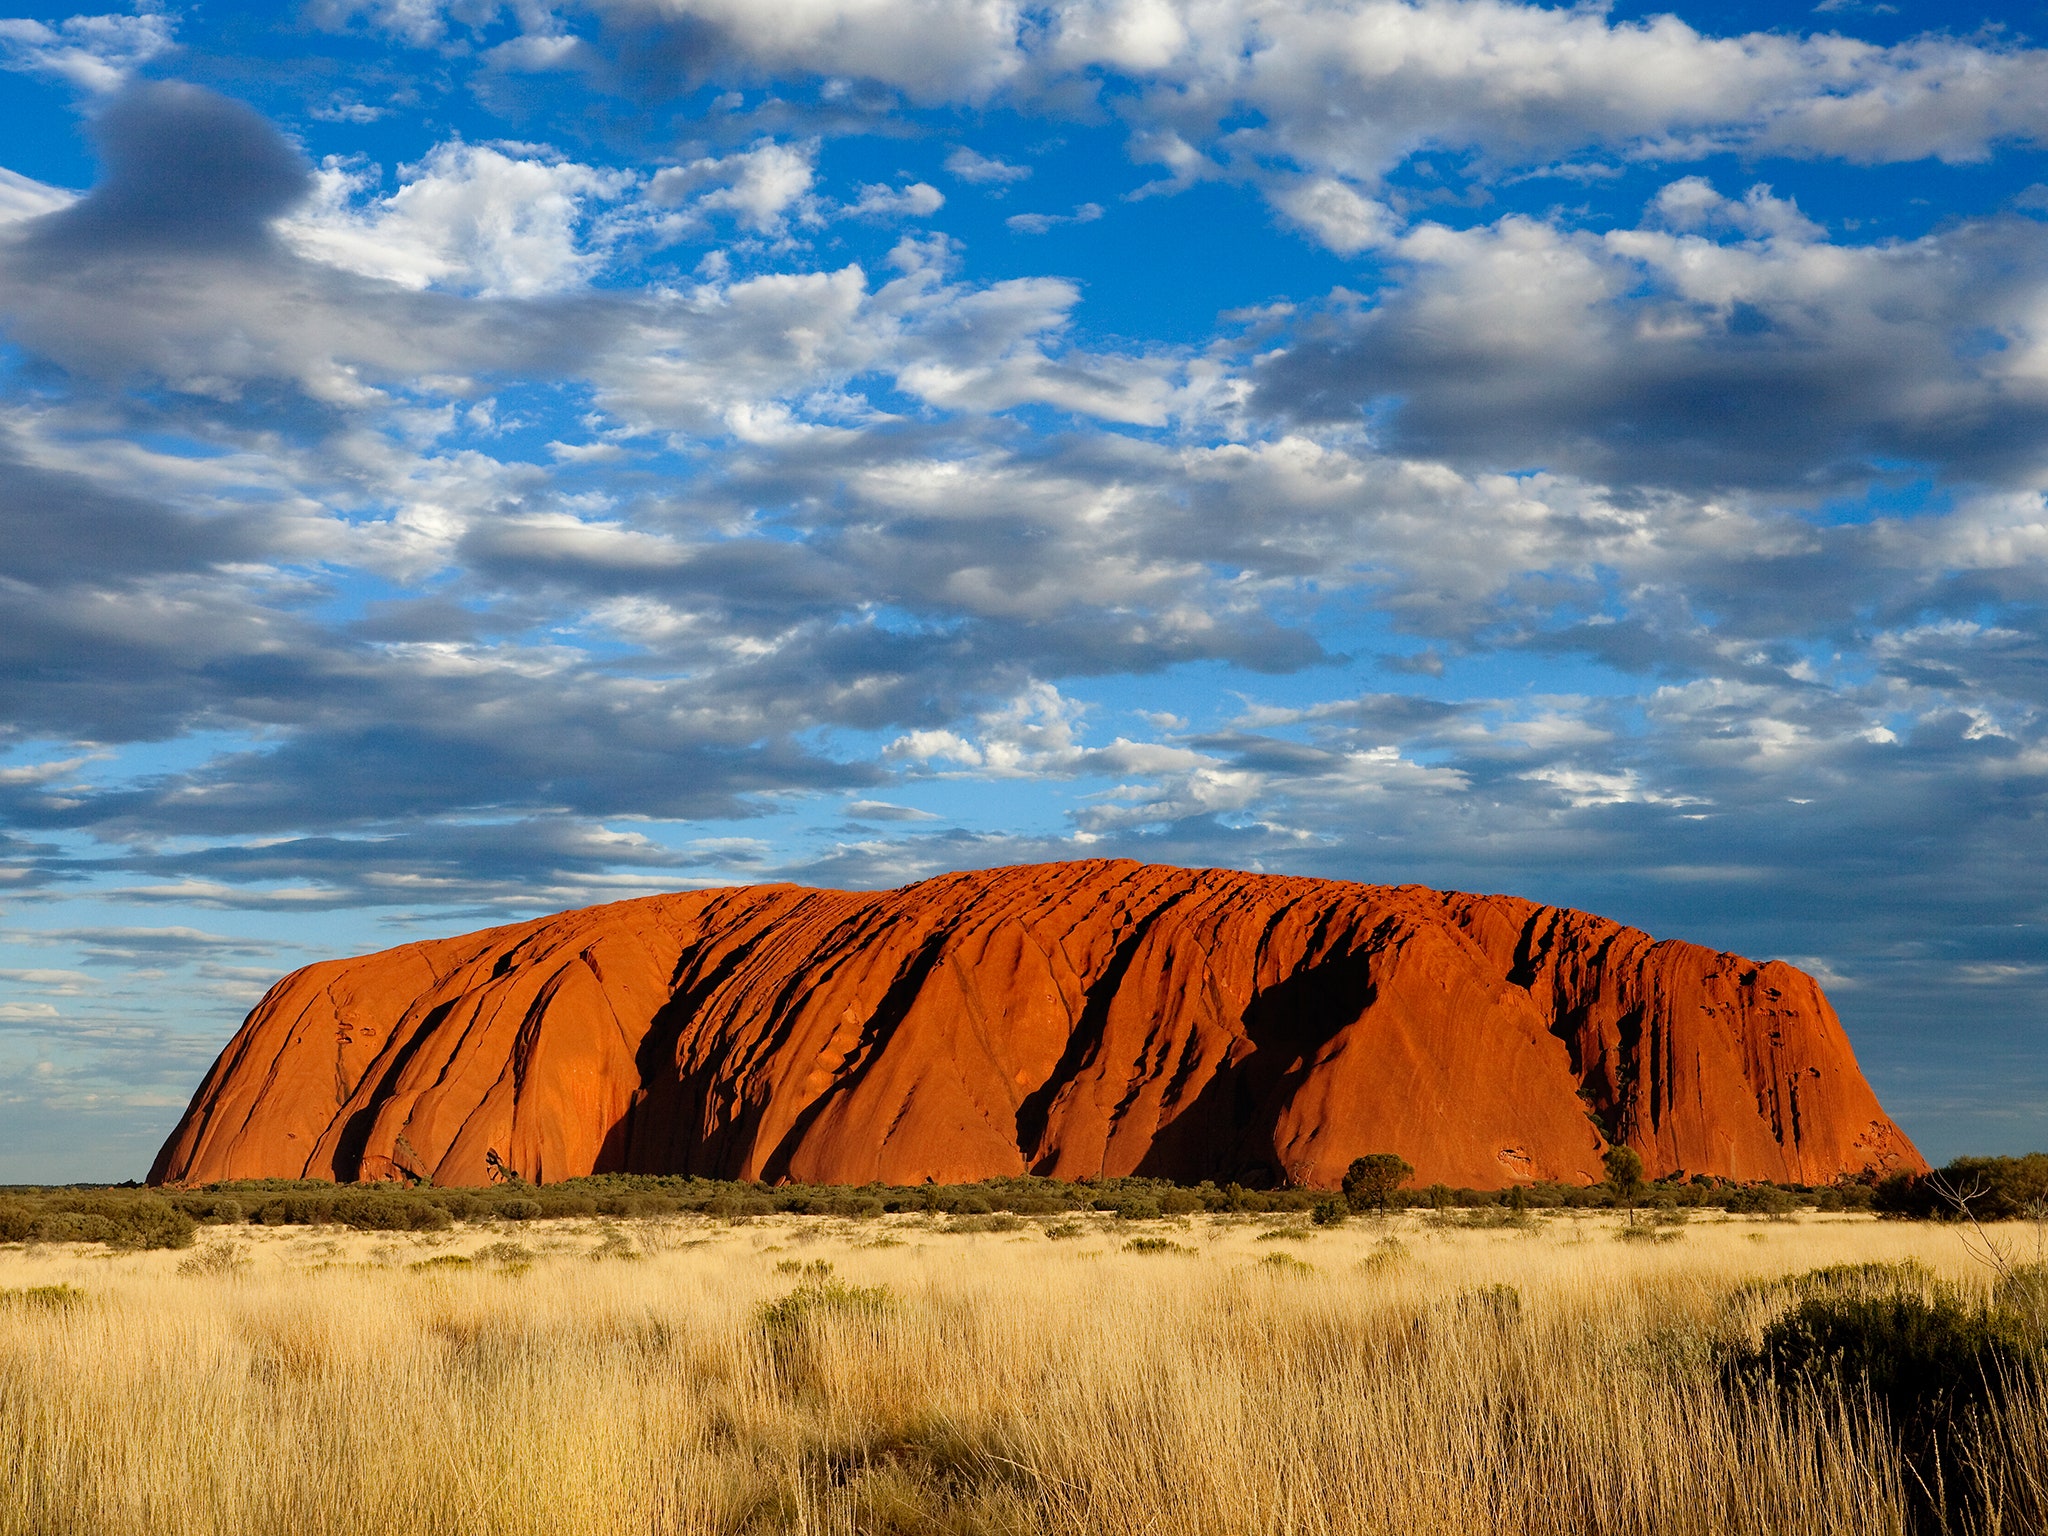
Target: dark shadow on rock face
[(1230, 1130), (185, 169)]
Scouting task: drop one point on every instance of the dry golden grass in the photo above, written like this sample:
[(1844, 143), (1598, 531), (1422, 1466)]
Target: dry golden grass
[(1010, 1383)]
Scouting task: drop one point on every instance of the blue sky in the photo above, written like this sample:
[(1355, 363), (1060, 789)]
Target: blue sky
[(460, 461)]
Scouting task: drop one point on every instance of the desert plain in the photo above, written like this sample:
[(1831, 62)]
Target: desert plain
[(1413, 1373)]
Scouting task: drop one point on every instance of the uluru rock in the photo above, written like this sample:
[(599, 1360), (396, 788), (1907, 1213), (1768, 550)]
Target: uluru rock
[(1076, 1020)]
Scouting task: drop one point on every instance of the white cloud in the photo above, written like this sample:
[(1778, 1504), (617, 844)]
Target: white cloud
[(1039, 223), (468, 216), (419, 22), (1338, 94), (763, 187), (95, 53), (24, 198), (914, 200), (1336, 214), (883, 810), (983, 170), (932, 50)]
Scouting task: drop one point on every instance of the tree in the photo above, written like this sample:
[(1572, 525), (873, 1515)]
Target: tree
[(1625, 1174), (1370, 1181)]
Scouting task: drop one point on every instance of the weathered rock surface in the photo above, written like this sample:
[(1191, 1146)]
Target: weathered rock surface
[(1095, 1018)]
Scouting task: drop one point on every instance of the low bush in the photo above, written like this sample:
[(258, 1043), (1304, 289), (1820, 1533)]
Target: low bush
[(44, 1298), (1644, 1232), (390, 1213), (995, 1221), (789, 1325), (1388, 1254), (1157, 1245), (2021, 1295), (1498, 1304), (1994, 1188), (1757, 1200), (1286, 1264), (215, 1259), (506, 1258), (1936, 1362)]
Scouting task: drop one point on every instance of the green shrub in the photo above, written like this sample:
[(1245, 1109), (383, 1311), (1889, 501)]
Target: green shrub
[(516, 1209), (506, 1258), (1156, 1245), (296, 1210), (217, 1258), (1643, 1232), (614, 1244), (1330, 1211), (2000, 1188), (1370, 1181), (2021, 1296), (17, 1221), (1287, 1264), (441, 1261), (1389, 1253), (45, 1298), (72, 1227), (1624, 1167), (789, 1324), (1497, 1304), (390, 1213), (1935, 1361), (1757, 1200), (137, 1223), (995, 1221)]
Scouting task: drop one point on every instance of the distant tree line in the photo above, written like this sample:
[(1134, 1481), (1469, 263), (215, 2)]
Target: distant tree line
[(1997, 1188)]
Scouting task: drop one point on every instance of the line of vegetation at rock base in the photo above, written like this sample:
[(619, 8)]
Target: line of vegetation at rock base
[(134, 1217)]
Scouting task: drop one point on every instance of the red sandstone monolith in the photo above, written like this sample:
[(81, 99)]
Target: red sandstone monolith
[(1078, 1020)]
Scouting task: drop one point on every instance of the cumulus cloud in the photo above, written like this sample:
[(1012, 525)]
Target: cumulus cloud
[(1321, 103), (1723, 343), (984, 170), (184, 168), (913, 200), (468, 217), (931, 50), (762, 188), (22, 197), (1039, 223), (98, 54)]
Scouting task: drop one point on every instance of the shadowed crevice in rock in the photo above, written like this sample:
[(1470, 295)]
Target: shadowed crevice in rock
[(348, 1150), (1083, 1046)]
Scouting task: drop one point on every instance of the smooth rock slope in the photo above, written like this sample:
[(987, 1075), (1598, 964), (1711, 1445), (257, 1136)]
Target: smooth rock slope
[(1095, 1018)]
